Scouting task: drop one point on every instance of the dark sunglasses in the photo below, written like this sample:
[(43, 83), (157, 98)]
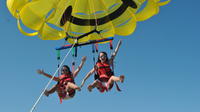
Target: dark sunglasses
[(103, 56), (65, 70)]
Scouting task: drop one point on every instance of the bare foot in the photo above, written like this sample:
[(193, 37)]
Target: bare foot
[(90, 88), (79, 89), (46, 93), (121, 78)]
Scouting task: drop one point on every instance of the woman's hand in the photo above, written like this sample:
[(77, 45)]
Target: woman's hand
[(84, 58), (40, 71)]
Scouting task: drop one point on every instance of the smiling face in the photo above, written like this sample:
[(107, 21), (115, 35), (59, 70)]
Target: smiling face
[(67, 15), (106, 19), (103, 57), (65, 70)]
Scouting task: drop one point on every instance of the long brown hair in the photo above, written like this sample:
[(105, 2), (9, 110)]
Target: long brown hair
[(67, 68)]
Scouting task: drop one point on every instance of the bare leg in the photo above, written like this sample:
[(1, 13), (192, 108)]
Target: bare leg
[(115, 79), (72, 86), (50, 91), (93, 85)]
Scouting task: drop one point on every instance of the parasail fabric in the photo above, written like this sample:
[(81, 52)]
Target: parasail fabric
[(55, 19)]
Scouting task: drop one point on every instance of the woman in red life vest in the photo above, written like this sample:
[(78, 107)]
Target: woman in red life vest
[(104, 77), (66, 86)]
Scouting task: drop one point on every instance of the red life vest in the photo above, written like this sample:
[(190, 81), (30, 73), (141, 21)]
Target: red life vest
[(104, 71), (61, 86), (65, 78)]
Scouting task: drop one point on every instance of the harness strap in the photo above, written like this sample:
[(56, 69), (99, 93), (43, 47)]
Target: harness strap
[(104, 67), (111, 45), (117, 87), (73, 66), (96, 47), (60, 99)]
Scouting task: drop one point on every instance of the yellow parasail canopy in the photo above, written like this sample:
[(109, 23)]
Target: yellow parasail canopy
[(55, 19)]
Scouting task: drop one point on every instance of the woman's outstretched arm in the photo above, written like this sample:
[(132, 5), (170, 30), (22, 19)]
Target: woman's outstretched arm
[(47, 75), (115, 51), (87, 76), (79, 67)]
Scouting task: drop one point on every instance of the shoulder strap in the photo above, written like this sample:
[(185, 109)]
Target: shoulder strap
[(96, 76)]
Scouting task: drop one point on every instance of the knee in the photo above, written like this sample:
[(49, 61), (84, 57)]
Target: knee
[(95, 82), (56, 86), (112, 78)]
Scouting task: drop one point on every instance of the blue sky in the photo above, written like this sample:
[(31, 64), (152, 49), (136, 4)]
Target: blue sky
[(161, 62)]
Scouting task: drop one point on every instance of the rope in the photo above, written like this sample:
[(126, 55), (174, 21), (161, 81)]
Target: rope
[(37, 101), (95, 17), (93, 52)]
